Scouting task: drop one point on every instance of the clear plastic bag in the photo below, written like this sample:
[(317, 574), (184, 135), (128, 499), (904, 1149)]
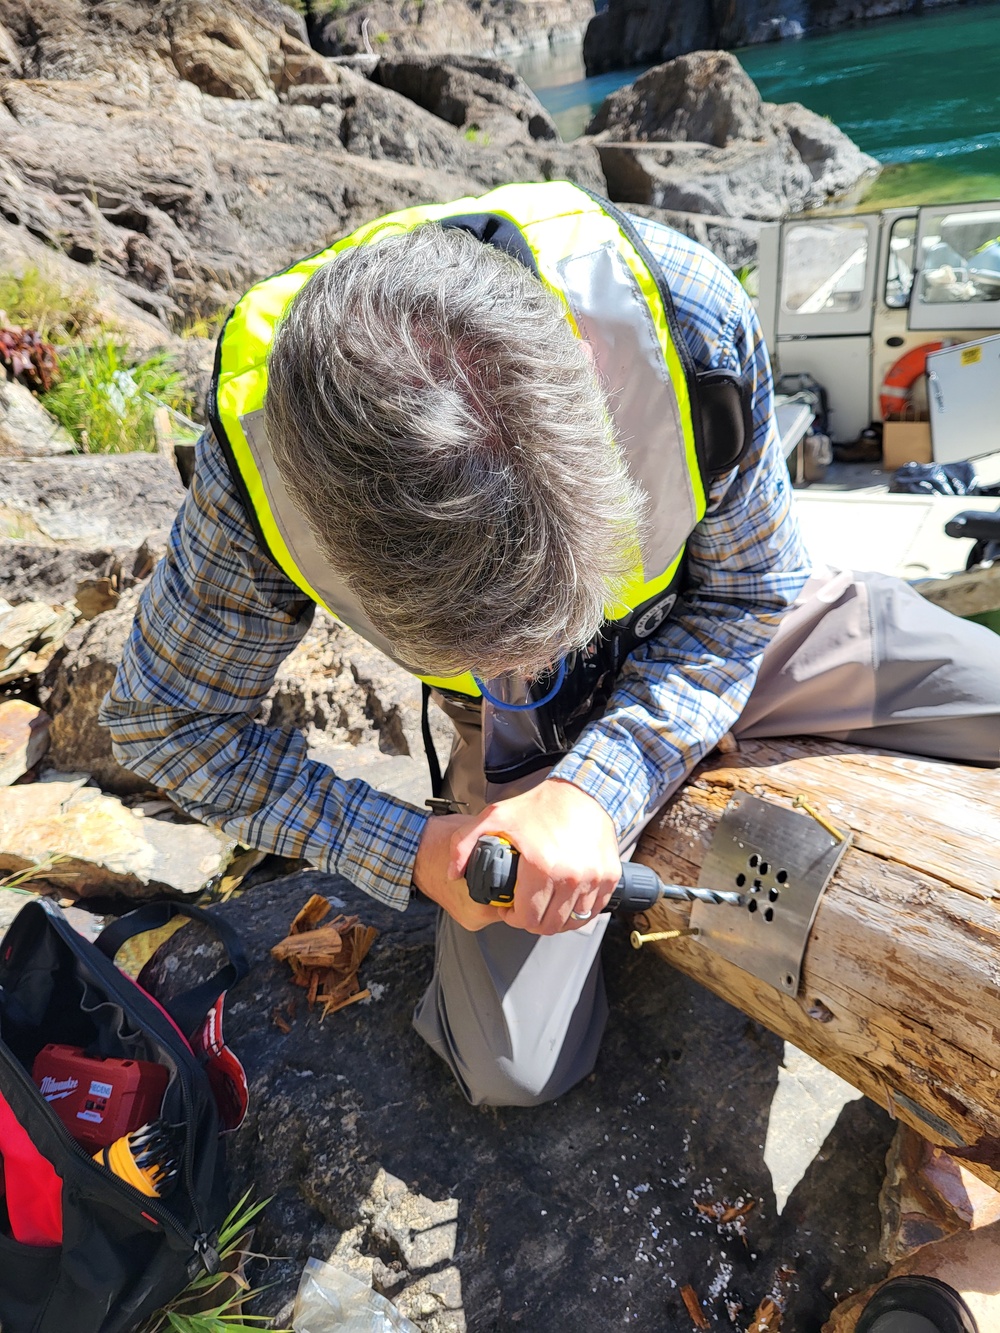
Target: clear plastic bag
[(331, 1300)]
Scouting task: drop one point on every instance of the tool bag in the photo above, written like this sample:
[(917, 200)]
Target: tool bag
[(80, 1249)]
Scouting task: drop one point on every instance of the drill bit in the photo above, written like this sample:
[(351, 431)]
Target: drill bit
[(684, 893)]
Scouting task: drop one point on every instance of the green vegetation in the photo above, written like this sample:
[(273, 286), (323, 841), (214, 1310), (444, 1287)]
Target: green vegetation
[(929, 183), (107, 403), (36, 300), (475, 135), (213, 1302)]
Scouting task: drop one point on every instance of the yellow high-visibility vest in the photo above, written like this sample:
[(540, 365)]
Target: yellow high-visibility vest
[(587, 253)]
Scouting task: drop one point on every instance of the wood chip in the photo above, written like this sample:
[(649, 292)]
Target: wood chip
[(311, 915), (693, 1306), (768, 1318), (325, 959)]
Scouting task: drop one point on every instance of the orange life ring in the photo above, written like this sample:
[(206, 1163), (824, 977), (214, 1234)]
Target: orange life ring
[(901, 377)]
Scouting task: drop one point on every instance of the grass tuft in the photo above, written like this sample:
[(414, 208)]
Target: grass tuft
[(36, 300), (213, 1303), (108, 404)]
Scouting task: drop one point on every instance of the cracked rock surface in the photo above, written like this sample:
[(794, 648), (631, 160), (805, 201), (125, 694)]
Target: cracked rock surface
[(579, 1215)]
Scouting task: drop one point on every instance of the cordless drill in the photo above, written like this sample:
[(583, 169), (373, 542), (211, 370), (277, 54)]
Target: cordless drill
[(492, 873)]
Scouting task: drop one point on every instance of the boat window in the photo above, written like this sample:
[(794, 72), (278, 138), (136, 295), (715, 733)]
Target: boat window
[(823, 266), (959, 258), (899, 271)]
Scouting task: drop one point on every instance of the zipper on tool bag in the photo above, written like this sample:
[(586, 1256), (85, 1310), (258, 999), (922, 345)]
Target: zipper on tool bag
[(153, 1210)]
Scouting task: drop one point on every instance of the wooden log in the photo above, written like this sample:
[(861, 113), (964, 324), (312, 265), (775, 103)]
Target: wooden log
[(900, 990)]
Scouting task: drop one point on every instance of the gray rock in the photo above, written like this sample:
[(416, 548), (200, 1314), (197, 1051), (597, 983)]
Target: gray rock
[(90, 500), (573, 1216), (76, 681), (26, 429), (628, 33), (481, 96), (24, 738), (694, 136), (10, 57), (29, 572), (185, 190), (734, 240), (497, 27), (88, 844)]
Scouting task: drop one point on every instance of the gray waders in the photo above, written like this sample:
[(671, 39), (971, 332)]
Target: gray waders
[(859, 658)]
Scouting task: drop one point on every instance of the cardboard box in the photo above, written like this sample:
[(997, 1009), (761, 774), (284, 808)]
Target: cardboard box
[(905, 442)]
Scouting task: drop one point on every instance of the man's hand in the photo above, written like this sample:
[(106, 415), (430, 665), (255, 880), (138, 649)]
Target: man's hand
[(569, 854), (432, 873)]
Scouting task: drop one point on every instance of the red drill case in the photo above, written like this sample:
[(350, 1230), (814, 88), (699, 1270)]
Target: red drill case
[(99, 1100)]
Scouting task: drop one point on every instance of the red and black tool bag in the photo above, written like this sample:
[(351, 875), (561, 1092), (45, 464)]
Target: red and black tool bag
[(80, 1249)]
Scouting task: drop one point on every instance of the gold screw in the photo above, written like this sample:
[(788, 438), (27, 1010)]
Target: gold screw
[(639, 940), (800, 803)]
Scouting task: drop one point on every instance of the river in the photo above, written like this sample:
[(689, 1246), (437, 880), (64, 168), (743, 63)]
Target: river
[(920, 93)]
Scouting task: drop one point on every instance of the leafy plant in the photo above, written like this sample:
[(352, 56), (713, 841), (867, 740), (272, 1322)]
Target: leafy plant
[(36, 300), (107, 404), (213, 1303)]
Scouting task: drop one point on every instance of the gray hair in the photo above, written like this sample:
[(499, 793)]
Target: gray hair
[(441, 429)]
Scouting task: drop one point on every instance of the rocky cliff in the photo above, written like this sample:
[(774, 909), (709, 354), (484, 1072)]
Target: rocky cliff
[(186, 149), (643, 32), (498, 27)]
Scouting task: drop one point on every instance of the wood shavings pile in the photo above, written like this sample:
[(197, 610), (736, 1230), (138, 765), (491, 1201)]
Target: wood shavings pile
[(325, 959)]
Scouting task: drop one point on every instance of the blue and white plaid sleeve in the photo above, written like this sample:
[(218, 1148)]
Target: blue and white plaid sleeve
[(682, 690), (214, 623)]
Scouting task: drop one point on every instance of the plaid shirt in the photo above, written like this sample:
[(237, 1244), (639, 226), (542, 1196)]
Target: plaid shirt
[(217, 618)]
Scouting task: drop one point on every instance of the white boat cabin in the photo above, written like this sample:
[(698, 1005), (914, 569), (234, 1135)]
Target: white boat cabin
[(843, 298)]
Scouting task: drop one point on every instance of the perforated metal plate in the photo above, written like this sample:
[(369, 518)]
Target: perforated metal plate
[(782, 860)]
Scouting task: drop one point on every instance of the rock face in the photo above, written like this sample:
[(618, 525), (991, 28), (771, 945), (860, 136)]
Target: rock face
[(498, 27), (694, 135), (98, 500), (189, 148), (483, 97), (642, 32), (26, 429), (78, 679), (78, 835), (578, 1215)]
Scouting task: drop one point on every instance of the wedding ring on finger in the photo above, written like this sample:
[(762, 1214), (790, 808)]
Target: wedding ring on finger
[(581, 916)]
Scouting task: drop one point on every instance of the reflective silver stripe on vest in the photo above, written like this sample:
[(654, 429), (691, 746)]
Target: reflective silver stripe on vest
[(612, 315), (302, 545)]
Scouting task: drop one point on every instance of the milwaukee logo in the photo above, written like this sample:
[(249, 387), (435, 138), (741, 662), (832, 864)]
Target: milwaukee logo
[(54, 1089)]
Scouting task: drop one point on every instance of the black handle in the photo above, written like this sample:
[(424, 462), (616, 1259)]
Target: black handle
[(978, 527), (189, 1009), (492, 873)]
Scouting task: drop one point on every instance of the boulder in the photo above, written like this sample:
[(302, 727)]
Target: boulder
[(26, 429), (695, 136), (591, 1212), (483, 97), (496, 27), (76, 681), (30, 572), (359, 711), (30, 635), (24, 738), (93, 500), (88, 844)]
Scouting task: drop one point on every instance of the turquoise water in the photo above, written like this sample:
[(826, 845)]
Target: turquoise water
[(922, 93)]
